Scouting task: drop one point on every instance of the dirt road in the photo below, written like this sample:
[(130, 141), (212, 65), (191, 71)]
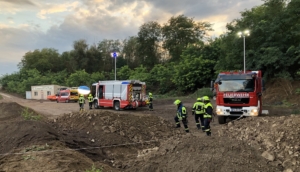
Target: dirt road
[(65, 140)]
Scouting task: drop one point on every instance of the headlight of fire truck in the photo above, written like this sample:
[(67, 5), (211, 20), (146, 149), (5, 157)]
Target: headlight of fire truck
[(254, 112), (219, 111)]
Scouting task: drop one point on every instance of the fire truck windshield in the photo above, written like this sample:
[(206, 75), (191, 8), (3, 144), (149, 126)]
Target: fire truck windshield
[(243, 85)]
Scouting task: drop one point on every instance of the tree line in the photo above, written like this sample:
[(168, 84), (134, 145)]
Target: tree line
[(178, 55)]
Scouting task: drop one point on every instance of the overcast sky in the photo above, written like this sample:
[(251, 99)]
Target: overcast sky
[(26, 25)]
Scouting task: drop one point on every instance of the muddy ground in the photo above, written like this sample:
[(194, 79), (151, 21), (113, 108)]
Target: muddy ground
[(52, 136)]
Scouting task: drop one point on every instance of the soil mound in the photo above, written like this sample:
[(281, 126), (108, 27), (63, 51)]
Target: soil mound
[(277, 138), (194, 152), (10, 110), (116, 137)]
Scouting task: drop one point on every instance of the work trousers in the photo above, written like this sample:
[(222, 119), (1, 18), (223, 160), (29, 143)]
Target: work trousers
[(91, 105), (150, 106), (197, 117), (184, 122), (81, 106), (207, 126)]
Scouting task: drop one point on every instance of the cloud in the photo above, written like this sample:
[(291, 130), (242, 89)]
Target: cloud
[(56, 8), (18, 2), (15, 6)]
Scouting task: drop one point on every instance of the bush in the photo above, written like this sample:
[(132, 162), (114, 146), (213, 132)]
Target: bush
[(29, 115), (202, 92)]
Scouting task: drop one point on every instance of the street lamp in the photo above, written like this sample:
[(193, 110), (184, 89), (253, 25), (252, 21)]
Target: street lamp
[(115, 55), (244, 34)]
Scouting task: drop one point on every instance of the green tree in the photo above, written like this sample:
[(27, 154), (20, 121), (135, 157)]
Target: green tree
[(68, 62), (130, 51), (106, 47), (79, 54), (96, 76), (194, 71), (124, 73), (148, 39), (180, 31), (161, 75), (45, 60), (80, 77), (95, 61)]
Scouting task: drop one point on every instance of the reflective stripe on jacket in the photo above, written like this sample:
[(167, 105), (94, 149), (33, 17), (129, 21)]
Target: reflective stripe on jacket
[(90, 98), (181, 112), (81, 100), (208, 114), (198, 108)]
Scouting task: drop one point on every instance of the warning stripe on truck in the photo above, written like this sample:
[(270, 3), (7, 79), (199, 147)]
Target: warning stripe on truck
[(130, 92)]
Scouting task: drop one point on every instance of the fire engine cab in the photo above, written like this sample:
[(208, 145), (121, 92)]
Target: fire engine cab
[(128, 94), (238, 94)]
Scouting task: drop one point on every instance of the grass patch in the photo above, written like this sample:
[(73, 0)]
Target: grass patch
[(296, 111), (202, 92), (174, 93), (286, 103), (297, 91), (94, 169), (37, 148), (29, 115), (1, 97), (28, 157)]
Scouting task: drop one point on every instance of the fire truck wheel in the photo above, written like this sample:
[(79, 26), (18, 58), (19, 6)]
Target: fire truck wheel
[(222, 119), (117, 105), (96, 105)]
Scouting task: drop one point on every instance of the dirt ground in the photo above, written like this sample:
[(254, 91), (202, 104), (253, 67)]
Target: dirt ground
[(62, 139)]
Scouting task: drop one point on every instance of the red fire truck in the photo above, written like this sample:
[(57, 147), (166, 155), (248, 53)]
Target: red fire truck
[(128, 94), (238, 94)]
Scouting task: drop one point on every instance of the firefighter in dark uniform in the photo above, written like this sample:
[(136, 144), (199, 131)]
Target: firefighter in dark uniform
[(150, 102), (208, 114), (91, 99), (198, 111), (181, 115), (81, 102)]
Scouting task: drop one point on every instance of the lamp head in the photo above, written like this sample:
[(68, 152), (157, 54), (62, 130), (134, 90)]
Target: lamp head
[(239, 34), (247, 33)]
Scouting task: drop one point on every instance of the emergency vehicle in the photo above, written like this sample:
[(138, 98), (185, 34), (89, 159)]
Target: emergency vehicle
[(127, 94), (67, 95), (238, 94)]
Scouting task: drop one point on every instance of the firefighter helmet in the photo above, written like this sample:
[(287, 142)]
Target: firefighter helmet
[(150, 94), (205, 98), (199, 99), (177, 102), (81, 95)]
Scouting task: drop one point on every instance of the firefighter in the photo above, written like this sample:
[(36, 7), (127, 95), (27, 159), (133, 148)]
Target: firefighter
[(208, 114), (91, 99), (198, 111), (150, 98), (81, 101), (181, 115)]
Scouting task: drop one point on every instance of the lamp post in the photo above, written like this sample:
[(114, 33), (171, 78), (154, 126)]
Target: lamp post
[(115, 55), (244, 34)]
